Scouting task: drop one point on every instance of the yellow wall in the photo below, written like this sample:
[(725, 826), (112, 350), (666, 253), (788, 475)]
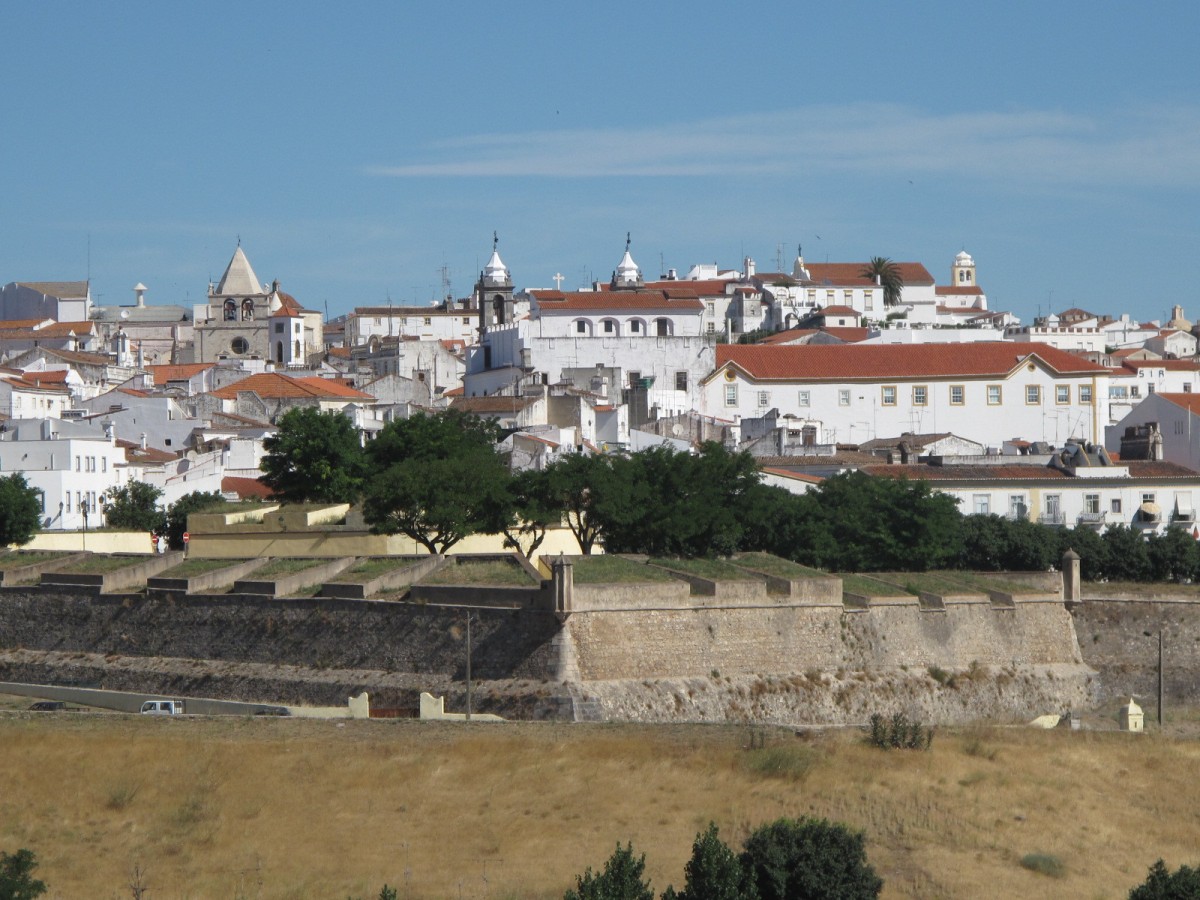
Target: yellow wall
[(93, 541)]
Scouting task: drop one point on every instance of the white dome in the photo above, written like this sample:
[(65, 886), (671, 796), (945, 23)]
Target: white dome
[(963, 259)]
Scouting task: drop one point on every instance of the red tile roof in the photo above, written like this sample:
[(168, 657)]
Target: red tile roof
[(286, 312), (711, 287), (484, 405), (1170, 365), (943, 290), (840, 311), (163, 374), (849, 335), (277, 386), (1190, 402), (794, 476), (49, 377), (850, 274), (20, 324), (245, 488), (670, 299), (816, 362)]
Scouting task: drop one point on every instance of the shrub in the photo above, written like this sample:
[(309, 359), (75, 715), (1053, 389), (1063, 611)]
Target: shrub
[(898, 733), (1044, 864), (16, 876), (620, 880), (1160, 884), (810, 858)]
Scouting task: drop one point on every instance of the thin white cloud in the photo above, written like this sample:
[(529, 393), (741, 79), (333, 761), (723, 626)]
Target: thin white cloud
[(1147, 146)]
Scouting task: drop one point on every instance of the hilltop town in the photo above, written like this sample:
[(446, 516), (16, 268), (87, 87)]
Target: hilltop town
[(868, 365)]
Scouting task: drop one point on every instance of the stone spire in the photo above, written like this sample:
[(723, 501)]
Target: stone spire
[(495, 272), (239, 278), (627, 274)]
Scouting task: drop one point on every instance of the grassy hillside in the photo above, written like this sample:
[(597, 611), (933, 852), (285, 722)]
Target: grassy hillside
[(279, 808)]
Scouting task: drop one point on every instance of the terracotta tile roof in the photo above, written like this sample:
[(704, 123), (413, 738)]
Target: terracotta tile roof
[(20, 324), (795, 476), (1190, 402), (578, 301), (814, 362), (455, 392), (135, 453), (69, 289), (1031, 472), (710, 287), (88, 359), (944, 290), (840, 311), (245, 488), (533, 437), (850, 274), (843, 459), (132, 392), (485, 405), (238, 421), (286, 312), (277, 386), (287, 301), (846, 334), (163, 374), (25, 384), (403, 311), (340, 352), (1170, 365), (52, 376)]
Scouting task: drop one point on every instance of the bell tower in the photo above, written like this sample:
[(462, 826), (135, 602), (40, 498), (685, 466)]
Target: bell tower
[(494, 292), (962, 273)]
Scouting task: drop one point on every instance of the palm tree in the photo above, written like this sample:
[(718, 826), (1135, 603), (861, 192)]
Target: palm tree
[(886, 274)]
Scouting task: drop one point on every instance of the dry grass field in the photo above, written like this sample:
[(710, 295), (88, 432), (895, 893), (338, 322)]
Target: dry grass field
[(279, 808)]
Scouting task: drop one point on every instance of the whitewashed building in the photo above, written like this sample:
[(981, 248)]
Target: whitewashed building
[(986, 392)]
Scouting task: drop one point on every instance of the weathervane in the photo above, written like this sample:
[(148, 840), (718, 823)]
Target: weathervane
[(495, 241), (627, 242)]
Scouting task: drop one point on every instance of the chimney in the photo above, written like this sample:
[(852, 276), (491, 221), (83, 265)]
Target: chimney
[(143, 440), (749, 264), (139, 291)]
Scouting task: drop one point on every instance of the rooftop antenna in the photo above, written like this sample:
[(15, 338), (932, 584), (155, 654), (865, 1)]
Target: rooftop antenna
[(445, 270), (495, 241)]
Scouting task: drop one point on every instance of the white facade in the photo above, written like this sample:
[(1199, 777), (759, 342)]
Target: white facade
[(426, 323), (70, 464), (1178, 419), (983, 392)]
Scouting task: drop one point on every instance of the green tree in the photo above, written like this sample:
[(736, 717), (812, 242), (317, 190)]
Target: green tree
[(20, 510), (314, 457), (1172, 555), (809, 859), (533, 509), (1090, 547), (436, 479), (178, 512), (856, 522), (983, 541), (16, 876), (134, 505), (714, 872), (621, 879), (1162, 884), (596, 493), (1029, 547), (887, 275), (1128, 558)]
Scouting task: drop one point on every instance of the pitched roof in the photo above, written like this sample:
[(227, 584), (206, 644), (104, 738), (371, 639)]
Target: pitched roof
[(485, 405), (1170, 365), (1029, 472), (239, 278), (850, 274), (22, 324), (165, 373), (276, 386), (669, 299), (1190, 402), (943, 290), (53, 329), (245, 488), (839, 311), (71, 290), (817, 362), (25, 384), (847, 334), (709, 287)]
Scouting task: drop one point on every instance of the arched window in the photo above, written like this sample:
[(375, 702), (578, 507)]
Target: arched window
[(636, 326), (662, 327), (247, 308), (279, 351), (583, 327), (298, 351), (609, 327), (230, 311)]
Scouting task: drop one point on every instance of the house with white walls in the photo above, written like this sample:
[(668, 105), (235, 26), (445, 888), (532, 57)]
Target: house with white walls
[(985, 392)]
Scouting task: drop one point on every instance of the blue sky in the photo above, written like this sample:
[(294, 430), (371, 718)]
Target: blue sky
[(358, 148)]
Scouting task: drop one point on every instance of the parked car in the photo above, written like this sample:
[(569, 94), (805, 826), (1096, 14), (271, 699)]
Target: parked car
[(162, 708), (48, 706)]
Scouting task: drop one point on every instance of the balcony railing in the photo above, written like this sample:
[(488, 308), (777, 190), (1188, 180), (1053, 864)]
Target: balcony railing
[(1052, 518)]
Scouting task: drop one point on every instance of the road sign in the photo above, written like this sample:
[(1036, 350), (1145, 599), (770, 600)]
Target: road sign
[(153, 540), (186, 537)]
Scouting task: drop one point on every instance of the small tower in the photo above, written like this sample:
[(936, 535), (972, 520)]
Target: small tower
[(139, 292), (1131, 718), (799, 271), (494, 291), (627, 277), (962, 273)]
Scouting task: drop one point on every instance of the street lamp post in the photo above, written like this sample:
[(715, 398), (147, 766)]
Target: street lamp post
[(83, 508)]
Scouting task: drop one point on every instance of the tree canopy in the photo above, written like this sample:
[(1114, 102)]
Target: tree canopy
[(1163, 884), (810, 859), (20, 510), (436, 479), (16, 876), (887, 275), (314, 457), (622, 879), (134, 505), (178, 512)]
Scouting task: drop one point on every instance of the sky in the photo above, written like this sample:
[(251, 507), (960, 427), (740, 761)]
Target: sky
[(363, 151)]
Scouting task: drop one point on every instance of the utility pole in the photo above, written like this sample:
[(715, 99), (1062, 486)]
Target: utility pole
[(1160, 679), (469, 672)]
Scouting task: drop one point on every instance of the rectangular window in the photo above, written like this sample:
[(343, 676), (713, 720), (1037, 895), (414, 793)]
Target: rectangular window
[(764, 398), (957, 395), (466, 320), (279, 328), (804, 398), (731, 395), (995, 394), (920, 395), (829, 298), (104, 464), (1016, 506), (67, 501), (1187, 387), (710, 328), (1033, 395), (848, 296), (710, 308), (1062, 394), (843, 397), (1115, 505), (1135, 391), (78, 464), (983, 504), (428, 320), (681, 381), (608, 326), (889, 395), (868, 300), (1085, 394), (1091, 504), (581, 327), (1147, 498)]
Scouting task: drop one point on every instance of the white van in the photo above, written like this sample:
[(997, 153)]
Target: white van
[(162, 708)]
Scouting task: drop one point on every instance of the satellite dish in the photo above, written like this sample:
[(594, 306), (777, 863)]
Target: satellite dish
[(677, 429), (124, 314)]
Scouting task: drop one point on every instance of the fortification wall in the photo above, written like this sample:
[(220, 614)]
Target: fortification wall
[(737, 641)]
